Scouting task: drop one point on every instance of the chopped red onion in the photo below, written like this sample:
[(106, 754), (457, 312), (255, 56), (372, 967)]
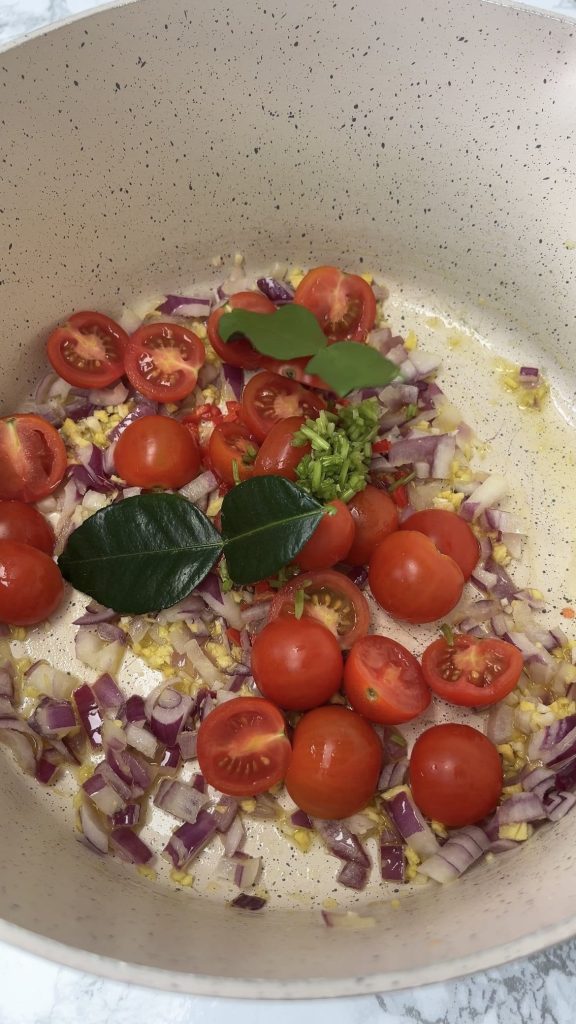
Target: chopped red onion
[(142, 408), (225, 812), (107, 694), (109, 396), (89, 714), (341, 842), (424, 362), (169, 713), (234, 838), (7, 676), (392, 860), (94, 614), (564, 803), (199, 488), (187, 841), (187, 742), (106, 798), (489, 492), (46, 770), (129, 846), (181, 305), (277, 291), (414, 449), (267, 807), (393, 774), (240, 869), (300, 819), (179, 799), (135, 709), (21, 746), (555, 744), (412, 826), (234, 377), (520, 807), (199, 782), (94, 827), (111, 633), (353, 876), (136, 773), (443, 456), (246, 902), (97, 653), (256, 612), (53, 718), (460, 851), (170, 760), (141, 739), (500, 723), (505, 522), (113, 736)]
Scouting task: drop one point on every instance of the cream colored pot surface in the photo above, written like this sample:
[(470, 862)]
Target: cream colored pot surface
[(431, 142)]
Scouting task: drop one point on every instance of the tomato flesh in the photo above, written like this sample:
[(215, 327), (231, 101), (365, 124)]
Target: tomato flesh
[(332, 599), (451, 535), (297, 664), (375, 516), (471, 671), (33, 458), (269, 398), (88, 351), (412, 580), (455, 775), (232, 452), (31, 585), (156, 451), (242, 746), (162, 361), (384, 682), (26, 524), (336, 762), (343, 304), (331, 540), (278, 456)]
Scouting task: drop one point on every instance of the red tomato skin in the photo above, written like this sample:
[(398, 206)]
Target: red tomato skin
[(450, 533), (33, 458), (330, 542), (27, 525), (455, 775), (336, 763), (241, 352), (375, 516), (269, 398), (162, 361), (411, 580), (31, 585), (277, 455), (228, 442), (156, 451), (247, 732), (109, 340), (297, 664), (384, 682), (330, 582), (343, 304), (461, 691)]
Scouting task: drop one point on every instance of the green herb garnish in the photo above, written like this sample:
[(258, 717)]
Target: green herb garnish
[(448, 633), (338, 465), (299, 603)]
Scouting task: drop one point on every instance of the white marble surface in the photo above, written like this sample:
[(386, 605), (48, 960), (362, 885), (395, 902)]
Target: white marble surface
[(540, 990)]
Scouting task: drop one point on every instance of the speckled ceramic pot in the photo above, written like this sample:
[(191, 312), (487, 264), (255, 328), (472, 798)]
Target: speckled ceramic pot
[(432, 141)]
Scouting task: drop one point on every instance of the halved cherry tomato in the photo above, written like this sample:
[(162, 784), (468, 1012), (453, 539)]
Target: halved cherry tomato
[(332, 599), (375, 516), (455, 774), (331, 540), (242, 746), (277, 455), (88, 350), (343, 304), (384, 682), (295, 370), (31, 584), (269, 398), (32, 457), (232, 450), (336, 762), (297, 664), (238, 352), (472, 671), (156, 451), (450, 533), (26, 524), (162, 361), (412, 580)]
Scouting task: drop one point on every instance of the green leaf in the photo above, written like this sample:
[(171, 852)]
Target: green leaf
[(265, 523), (289, 332), (348, 365), (141, 554)]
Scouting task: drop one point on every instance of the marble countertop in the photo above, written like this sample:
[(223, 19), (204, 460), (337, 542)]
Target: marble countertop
[(539, 990)]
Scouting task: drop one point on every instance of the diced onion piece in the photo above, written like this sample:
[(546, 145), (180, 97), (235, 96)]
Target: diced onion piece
[(490, 492), (94, 827), (96, 653), (240, 869), (141, 739), (89, 714), (188, 840), (461, 850), (341, 842), (412, 826), (247, 902), (179, 799), (353, 876), (129, 846)]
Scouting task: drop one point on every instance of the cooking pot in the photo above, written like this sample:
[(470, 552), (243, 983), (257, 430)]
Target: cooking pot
[(433, 142)]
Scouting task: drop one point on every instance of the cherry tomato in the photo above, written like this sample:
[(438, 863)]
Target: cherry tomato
[(455, 774), (412, 580), (451, 535), (242, 746), (277, 455), (156, 451), (238, 352), (331, 540), (295, 370), (343, 304), (269, 398), (32, 457), (384, 682), (297, 663), (232, 448), (336, 762), (332, 599), (26, 524), (31, 586), (88, 350), (375, 516), (162, 361), (472, 672)]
